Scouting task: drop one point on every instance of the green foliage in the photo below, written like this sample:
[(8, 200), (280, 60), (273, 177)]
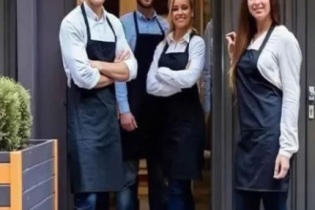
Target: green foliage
[(15, 115)]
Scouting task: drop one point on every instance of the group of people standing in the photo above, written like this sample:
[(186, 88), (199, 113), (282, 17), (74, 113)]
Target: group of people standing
[(133, 94)]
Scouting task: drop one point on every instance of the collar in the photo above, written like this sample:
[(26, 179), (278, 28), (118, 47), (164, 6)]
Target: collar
[(142, 17), (91, 14), (185, 38)]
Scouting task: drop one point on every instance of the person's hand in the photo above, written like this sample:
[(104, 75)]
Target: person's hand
[(231, 37), (96, 64), (282, 167), (128, 122), (122, 56)]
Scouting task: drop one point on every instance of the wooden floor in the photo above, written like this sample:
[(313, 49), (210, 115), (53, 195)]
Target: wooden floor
[(201, 194)]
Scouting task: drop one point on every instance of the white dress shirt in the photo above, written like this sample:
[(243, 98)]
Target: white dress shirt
[(166, 82), (73, 40), (280, 64)]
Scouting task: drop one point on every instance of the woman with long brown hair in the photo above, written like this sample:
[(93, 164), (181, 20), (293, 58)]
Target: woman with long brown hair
[(264, 77), (180, 126)]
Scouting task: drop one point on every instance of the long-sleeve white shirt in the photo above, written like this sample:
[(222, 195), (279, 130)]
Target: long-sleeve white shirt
[(73, 39), (162, 81), (280, 64)]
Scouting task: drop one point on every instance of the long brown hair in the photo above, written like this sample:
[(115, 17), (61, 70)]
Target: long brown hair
[(171, 24), (247, 29)]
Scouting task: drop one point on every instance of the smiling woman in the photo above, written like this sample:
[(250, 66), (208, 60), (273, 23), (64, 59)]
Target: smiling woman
[(265, 74)]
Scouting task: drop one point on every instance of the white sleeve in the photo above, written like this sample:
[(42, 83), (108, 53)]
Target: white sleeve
[(290, 59), (154, 86), (122, 45), (187, 77), (74, 55)]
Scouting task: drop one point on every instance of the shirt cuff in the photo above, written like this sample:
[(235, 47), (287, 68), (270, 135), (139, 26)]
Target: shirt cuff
[(124, 107), (95, 79), (285, 153), (132, 67)]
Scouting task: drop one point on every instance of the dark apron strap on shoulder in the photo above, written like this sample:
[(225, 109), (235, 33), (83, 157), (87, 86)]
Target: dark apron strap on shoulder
[(266, 39), (111, 26), (86, 22)]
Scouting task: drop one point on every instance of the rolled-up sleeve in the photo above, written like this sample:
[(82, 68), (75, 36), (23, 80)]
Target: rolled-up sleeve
[(188, 77), (75, 57), (155, 86), (290, 59), (122, 45)]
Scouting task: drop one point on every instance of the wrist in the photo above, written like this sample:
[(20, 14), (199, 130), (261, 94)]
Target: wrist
[(285, 153)]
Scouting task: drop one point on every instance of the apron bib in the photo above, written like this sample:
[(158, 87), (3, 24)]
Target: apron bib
[(95, 156), (181, 130), (260, 104), (136, 143)]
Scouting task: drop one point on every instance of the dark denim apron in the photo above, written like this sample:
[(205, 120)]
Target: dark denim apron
[(137, 144), (260, 105), (95, 155), (181, 125)]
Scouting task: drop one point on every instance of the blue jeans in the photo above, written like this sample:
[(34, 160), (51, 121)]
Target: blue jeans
[(248, 200), (127, 199), (91, 201), (180, 195)]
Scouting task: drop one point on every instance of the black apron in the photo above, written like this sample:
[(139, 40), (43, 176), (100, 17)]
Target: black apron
[(260, 104), (181, 126), (95, 155), (136, 143)]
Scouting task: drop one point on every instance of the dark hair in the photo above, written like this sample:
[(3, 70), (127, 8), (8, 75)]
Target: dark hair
[(247, 29)]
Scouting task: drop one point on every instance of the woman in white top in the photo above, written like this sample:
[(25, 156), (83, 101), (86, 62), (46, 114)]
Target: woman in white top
[(265, 76), (180, 130)]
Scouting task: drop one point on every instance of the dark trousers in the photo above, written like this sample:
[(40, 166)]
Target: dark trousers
[(91, 201), (248, 200), (127, 199), (180, 195)]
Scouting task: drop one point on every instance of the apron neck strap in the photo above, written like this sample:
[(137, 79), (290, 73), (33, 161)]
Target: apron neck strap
[(86, 22), (266, 39), (88, 27), (137, 26), (111, 27)]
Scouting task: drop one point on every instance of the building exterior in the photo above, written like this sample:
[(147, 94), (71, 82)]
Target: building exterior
[(30, 53)]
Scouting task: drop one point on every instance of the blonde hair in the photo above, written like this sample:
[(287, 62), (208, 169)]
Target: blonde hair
[(170, 21)]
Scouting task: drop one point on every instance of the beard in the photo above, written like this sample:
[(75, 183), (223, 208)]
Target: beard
[(146, 6)]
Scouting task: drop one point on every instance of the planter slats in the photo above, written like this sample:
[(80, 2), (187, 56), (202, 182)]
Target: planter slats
[(37, 194), (5, 157), (45, 204), (4, 195), (37, 154), (38, 174), (29, 178)]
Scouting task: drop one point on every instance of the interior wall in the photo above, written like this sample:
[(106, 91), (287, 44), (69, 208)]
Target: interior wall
[(127, 6)]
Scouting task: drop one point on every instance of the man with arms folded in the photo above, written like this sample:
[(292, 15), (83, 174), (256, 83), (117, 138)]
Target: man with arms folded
[(144, 30), (95, 54)]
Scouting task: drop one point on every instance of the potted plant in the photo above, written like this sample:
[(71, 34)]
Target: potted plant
[(28, 168)]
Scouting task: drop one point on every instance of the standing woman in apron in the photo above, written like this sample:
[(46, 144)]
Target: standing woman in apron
[(179, 121), (95, 53), (265, 76)]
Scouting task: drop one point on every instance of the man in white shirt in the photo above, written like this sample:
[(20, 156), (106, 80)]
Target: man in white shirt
[(95, 54)]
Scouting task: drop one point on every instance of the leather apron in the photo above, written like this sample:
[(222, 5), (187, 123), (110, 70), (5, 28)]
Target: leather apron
[(95, 155), (260, 105), (136, 143), (181, 126)]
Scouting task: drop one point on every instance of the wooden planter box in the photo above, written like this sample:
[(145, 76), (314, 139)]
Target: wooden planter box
[(28, 178)]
